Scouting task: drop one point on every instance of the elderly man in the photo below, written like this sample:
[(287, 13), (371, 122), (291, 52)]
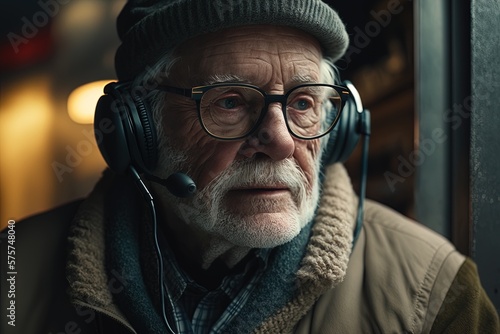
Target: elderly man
[(235, 98)]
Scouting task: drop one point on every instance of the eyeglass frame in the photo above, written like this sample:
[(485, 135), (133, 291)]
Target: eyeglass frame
[(196, 93)]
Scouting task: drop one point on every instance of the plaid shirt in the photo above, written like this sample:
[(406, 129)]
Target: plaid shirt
[(196, 310)]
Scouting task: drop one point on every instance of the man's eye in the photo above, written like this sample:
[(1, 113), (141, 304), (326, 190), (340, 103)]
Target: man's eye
[(228, 103), (302, 104)]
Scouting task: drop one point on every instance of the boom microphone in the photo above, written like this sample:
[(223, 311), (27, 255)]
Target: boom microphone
[(179, 184)]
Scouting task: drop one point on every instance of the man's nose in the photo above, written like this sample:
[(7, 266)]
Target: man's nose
[(272, 138)]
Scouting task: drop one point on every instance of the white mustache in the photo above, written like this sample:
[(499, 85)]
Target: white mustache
[(258, 172)]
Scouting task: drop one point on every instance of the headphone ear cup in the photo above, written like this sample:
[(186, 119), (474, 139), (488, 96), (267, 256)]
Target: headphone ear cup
[(145, 135), (112, 143), (344, 136), (132, 139)]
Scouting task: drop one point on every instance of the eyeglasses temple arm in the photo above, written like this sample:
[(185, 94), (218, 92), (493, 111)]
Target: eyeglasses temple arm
[(187, 92)]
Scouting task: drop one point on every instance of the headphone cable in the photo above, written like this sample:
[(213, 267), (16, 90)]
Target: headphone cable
[(149, 198), (365, 131)]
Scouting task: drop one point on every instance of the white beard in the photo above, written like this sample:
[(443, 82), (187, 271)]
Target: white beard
[(263, 223)]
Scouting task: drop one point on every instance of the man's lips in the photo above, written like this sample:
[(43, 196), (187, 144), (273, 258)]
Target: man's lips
[(260, 190), (261, 187)]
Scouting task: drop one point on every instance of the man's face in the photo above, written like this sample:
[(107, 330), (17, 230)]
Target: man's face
[(258, 191)]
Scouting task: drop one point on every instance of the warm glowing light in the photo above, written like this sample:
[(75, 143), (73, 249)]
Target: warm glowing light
[(27, 120), (82, 101)]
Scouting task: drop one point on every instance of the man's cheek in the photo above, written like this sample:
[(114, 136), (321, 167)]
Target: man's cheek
[(314, 147), (308, 156)]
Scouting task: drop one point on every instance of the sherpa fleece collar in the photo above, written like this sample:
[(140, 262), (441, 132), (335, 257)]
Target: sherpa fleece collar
[(323, 266)]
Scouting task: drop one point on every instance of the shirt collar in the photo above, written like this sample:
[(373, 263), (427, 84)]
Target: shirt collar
[(177, 280)]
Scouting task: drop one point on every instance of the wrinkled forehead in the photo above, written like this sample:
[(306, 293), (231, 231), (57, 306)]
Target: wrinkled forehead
[(249, 54)]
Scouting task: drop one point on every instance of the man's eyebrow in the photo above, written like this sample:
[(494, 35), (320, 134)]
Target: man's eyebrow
[(301, 79), (223, 78)]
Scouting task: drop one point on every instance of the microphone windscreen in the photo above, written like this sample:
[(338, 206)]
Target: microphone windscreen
[(180, 185)]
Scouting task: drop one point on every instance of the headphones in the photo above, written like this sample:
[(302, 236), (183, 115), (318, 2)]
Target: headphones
[(353, 122), (133, 139)]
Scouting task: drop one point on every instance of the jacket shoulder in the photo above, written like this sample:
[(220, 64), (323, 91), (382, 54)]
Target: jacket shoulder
[(44, 234), (386, 224), (56, 218), (401, 239)]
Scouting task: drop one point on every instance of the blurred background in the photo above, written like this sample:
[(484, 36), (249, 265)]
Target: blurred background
[(49, 50), (412, 62)]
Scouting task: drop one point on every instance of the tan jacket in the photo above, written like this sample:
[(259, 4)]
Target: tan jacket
[(400, 277)]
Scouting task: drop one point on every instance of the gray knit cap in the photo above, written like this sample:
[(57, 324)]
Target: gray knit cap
[(149, 29)]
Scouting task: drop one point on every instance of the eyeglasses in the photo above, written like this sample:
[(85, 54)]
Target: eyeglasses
[(234, 111)]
